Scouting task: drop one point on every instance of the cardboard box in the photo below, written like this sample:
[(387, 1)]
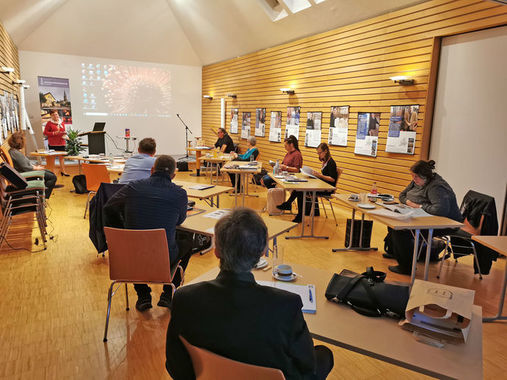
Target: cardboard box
[(439, 311)]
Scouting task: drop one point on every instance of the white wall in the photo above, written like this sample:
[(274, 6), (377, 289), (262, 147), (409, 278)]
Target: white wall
[(469, 136), (185, 84)]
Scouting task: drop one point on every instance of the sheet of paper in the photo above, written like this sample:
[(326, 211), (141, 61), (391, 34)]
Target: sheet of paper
[(217, 214), (201, 187), (306, 292)]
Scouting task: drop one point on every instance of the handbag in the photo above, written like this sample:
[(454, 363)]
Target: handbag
[(368, 294)]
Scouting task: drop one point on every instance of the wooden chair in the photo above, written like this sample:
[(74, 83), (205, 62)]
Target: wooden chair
[(210, 366), (138, 256), (95, 174)]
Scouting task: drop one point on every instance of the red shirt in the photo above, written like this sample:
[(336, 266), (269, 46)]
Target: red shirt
[(293, 159), (54, 133)]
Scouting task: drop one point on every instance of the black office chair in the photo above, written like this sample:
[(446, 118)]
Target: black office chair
[(479, 214)]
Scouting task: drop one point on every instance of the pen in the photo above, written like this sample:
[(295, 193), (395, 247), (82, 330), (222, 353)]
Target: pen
[(310, 294)]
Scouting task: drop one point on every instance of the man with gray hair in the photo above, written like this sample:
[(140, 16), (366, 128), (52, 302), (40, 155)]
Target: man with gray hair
[(235, 317), (149, 203)]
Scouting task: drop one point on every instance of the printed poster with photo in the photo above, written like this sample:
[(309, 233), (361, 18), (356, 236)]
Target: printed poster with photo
[(234, 120), (245, 126), (275, 128), (402, 129), (313, 129), (54, 93), (260, 122), (292, 124), (368, 125), (339, 126)]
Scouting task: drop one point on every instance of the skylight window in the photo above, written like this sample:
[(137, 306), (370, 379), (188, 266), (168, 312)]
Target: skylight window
[(297, 5), (279, 9)]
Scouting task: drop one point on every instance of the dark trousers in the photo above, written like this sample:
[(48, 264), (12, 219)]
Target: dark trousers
[(49, 182), (402, 243), (324, 361), (237, 185), (268, 181), (184, 253), (299, 196)]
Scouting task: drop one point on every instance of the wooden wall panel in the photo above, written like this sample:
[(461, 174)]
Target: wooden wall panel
[(348, 66), (9, 58)]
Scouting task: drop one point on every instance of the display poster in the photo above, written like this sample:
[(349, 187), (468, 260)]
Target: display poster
[(54, 93), (292, 124), (402, 125), (313, 129), (9, 115), (260, 122), (234, 120), (275, 128), (245, 125), (368, 125), (339, 126)]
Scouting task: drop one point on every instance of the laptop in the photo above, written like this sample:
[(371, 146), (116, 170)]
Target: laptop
[(98, 127)]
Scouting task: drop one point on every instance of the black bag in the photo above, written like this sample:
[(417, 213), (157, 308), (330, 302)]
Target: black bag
[(256, 178), (368, 294), (182, 166), (79, 182), (367, 226)]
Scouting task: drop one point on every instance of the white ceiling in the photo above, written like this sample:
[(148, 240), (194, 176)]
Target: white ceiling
[(186, 32)]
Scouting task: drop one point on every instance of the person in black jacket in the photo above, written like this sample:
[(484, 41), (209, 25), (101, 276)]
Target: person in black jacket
[(244, 321), (154, 202), (224, 142)]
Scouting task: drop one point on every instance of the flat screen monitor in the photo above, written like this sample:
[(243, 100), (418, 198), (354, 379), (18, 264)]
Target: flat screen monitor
[(99, 126)]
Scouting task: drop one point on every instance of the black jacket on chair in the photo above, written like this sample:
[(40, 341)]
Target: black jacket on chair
[(237, 318)]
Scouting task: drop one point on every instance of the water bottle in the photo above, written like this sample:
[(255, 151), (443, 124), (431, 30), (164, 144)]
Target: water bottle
[(374, 188), (276, 169)]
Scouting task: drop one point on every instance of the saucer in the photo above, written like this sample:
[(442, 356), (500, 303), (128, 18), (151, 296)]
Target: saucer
[(262, 263), (368, 206), (292, 277)]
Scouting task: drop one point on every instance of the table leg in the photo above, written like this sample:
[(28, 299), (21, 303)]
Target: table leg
[(499, 315), (360, 247), (242, 179), (50, 163), (414, 258), (197, 164), (236, 189), (312, 215), (428, 253)]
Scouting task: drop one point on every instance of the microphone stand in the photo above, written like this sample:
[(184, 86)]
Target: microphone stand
[(186, 138)]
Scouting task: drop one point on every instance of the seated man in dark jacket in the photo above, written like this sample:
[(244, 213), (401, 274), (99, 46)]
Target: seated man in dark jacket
[(154, 202), (246, 322)]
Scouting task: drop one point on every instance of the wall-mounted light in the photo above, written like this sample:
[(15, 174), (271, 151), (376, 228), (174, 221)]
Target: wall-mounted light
[(209, 97), (234, 96), (6, 70), (403, 80), (26, 86), (288, 91), (19, 81)]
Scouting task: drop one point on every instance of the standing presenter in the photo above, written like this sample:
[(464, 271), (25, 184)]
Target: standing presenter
[(56, 134)]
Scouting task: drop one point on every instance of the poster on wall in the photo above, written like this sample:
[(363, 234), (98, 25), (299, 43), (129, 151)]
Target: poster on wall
[(234, 120), (275, 127), (4, 115), (245, 125), (313, 129), (368, 125), (292, 124), (339, 126), (260, 122), (54, 93), (402, 126)]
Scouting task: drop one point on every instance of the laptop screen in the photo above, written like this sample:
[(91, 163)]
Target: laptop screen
[(99, 126)]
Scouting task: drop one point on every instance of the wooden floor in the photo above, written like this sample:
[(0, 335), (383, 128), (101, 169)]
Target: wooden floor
[(53, 302)]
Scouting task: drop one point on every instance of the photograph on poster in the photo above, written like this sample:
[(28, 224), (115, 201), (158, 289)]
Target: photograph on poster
[(402, 126), (260, 122), (339, 126), (9, 115), (368, 125), (234, 120), (313, 129), (292, 124), (245, 126), (275, 126), (54, 93)]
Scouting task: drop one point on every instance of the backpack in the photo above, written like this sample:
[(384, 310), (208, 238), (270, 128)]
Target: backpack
[(79, 182)]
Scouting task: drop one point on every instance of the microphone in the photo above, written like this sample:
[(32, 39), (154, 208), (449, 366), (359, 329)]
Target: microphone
[(178, 114)]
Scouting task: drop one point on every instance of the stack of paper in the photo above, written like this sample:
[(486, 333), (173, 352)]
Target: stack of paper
[(306, 292)]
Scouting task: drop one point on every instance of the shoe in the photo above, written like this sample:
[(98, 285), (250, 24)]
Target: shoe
[(165, 300), (398, 269), (64, 174), (387, 256), (143, 304), (297, 219), (284, 206), (59, 186)]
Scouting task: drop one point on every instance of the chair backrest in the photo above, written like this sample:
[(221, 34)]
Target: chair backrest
[(138, 255), (6, 156), (95, 174), (256, 154), (479, 212), (210, 366)]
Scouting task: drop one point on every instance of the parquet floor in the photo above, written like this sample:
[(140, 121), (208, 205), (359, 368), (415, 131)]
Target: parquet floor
[(53, 302)]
